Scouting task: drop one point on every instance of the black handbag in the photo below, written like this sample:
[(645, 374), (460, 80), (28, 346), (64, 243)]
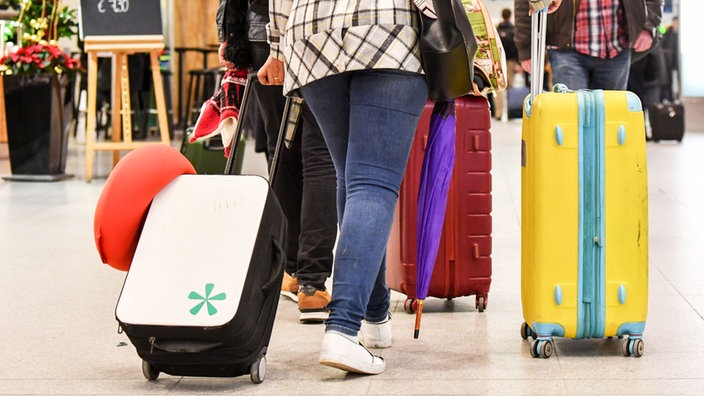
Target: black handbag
[(447, 46)]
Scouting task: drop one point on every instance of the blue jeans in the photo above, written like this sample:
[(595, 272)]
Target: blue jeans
[(368, 119), (579, 71)]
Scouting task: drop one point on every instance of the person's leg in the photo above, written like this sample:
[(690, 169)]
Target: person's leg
[(611, 74), (568, 68), (318, 206), (318, 228), (384, 108), (510, 72), (375, 331), (500, 99), (288, 180), (334, 108), (288, 187), (374, 175), (378, 306)]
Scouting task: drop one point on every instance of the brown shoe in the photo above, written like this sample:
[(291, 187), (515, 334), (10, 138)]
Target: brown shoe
[(313, 304), (289, 287)]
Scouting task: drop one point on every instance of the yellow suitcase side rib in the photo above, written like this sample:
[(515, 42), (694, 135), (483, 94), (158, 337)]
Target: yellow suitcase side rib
[(626, 215), (550, 191)]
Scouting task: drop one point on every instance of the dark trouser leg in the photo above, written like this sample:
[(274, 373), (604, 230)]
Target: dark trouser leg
[(287, 183), (288, 187), (318, 205)]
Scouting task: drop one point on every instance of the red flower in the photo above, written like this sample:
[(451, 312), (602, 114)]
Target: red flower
[(54, 51), (40, 58)]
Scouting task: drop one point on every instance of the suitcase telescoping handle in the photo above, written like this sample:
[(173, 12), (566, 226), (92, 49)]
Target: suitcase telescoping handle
[(289, 121), (230, 164), (287, 130), (537, 50)]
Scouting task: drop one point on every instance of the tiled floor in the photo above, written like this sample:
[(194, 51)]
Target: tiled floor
[(58, 333)]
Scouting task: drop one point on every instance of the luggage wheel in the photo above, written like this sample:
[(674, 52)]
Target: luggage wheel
[(526, 331), (541, 348), (480, 303), (410, 305), (632, 346), (150, 373), (257, 370)]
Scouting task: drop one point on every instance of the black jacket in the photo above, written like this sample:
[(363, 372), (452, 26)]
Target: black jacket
[(231, 17), (238, 23)]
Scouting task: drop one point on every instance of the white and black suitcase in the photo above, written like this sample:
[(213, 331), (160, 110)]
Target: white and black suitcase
[(201, 294)]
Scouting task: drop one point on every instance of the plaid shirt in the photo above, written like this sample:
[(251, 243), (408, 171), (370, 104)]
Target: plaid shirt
[(599, 28), (319, 38)]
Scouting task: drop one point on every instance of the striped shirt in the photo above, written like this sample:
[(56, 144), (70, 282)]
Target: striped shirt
[(599, 28), (320, 38)]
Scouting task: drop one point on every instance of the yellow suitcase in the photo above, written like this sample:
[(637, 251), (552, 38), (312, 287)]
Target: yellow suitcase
[(584, 264)]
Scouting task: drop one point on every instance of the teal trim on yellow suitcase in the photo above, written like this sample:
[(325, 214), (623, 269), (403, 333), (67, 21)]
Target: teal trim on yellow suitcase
[(634, 103), (600, 307), (546, 330), (591, 309), (631, 329)]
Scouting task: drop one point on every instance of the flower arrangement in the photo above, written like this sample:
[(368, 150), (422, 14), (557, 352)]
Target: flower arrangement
[(40, 58), (41, 24)]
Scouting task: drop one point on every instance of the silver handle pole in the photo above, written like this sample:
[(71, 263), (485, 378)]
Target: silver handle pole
[(230, 164), (538, 25)]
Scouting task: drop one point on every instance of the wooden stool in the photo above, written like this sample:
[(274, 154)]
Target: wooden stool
[(202, 85)]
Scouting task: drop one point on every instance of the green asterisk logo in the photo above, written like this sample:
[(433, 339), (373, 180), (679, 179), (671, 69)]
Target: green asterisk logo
[(206, 300)]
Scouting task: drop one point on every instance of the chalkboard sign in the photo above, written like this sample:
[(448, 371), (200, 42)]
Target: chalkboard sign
[(120, 17)]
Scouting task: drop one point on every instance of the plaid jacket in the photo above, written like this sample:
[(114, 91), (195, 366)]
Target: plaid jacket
[(320, 38)]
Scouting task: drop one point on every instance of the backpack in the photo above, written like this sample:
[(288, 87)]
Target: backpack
[(490, 59)]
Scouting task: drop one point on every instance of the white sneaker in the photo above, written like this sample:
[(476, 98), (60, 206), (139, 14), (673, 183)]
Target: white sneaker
[(340, 352), (376, 334)]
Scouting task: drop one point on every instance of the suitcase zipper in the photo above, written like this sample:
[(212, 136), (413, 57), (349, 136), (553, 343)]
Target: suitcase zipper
[(590, 310), (152, 341), (599, 313)]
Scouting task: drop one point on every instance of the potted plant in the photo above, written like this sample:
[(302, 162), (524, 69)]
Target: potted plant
[(38, 81)]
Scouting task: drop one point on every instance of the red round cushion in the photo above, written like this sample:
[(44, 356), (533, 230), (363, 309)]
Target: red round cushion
[(126, 196)]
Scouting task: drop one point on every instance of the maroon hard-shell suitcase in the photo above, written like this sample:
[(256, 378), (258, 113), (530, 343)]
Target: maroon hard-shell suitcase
[(463, 265)]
